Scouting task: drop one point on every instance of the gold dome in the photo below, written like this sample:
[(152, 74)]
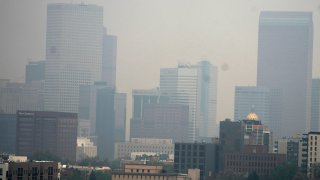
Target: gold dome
[(252, 116)]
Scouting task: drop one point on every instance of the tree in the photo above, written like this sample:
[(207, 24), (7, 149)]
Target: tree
[(285, 171), (253, 176)]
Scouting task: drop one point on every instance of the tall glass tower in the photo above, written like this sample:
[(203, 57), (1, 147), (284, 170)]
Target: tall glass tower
[(195, 86), (285, 63), (73, 53)]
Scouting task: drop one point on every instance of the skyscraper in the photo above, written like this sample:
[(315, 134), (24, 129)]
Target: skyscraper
[(315, 105), (35, 71), (109, 60), (73, 53), (195, 86), (285, 63), (263, 101)]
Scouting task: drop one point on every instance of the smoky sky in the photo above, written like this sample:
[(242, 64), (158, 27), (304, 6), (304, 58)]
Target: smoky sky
[(158, 33)]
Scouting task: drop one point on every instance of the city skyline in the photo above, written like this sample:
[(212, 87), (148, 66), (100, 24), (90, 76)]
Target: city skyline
[(212, 38)]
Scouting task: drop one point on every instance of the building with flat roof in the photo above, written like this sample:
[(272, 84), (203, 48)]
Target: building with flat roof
[(203, 156), (43, 131), (146, 172), (125, 150)]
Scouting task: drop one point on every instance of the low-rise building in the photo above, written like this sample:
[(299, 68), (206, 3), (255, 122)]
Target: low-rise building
[(124, 150), (85, 149), (147, 172), (246, 163)]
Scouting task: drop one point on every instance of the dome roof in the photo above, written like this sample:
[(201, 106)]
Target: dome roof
[(252, 116)]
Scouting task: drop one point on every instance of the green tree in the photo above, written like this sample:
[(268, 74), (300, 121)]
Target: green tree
[(285, 171), (100, 175), (253, 176), (76, 175)]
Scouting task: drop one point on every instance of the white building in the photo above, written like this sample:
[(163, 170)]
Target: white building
[(195, 86), (85, 149), (313, 153), (124, 150), (73, 53)]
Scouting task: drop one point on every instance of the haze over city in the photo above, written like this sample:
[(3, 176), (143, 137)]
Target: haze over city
[(156, 34)]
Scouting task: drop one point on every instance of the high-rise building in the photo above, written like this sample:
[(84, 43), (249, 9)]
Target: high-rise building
[(109, 60), (105, 112), (315, 105), (73, 53), (35, 71), (163, 121), (8, 133), (120, 109), (196, 87), (285, 63), (41, 131), (105, 122), (20, 96), (263, 101)]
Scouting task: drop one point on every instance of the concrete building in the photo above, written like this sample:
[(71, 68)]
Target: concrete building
[(246, 163), (42, 131), (85, 149), (196, 87), (8, 133), (20, 96), (120, 117), (146, 172), (263, 101), (124, 150), (74, 48), (109, 60), (315, 105), (203, 156), (34, 170), (35, 71), (285, 50), (313, 155), (291, 147), (163, 121)]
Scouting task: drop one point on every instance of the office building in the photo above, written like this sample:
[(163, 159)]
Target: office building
[(245, 163), (125, 150), (34, 170), (8, 133), (85, 149), (20, 96), (196, 87), (263, 101), (291, 147), (42, 131), (285, 50), (120, 111), (313, 157), (315, 105), (35, 71), (163, 121), (73, 53), (105, 111), (203, 156), (146, 172), (109, 60)]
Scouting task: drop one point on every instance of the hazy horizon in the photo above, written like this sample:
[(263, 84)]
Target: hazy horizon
[(156, 34)]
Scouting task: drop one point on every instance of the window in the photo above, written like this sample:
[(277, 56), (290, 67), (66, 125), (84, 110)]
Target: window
[(1, 172)]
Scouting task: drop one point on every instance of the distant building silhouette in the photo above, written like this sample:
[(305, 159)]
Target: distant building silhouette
[(42, 131), (35, 71), (196, 87), (285, 63), (74, 53), (315, 106), (263, 101), (109, 60)]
